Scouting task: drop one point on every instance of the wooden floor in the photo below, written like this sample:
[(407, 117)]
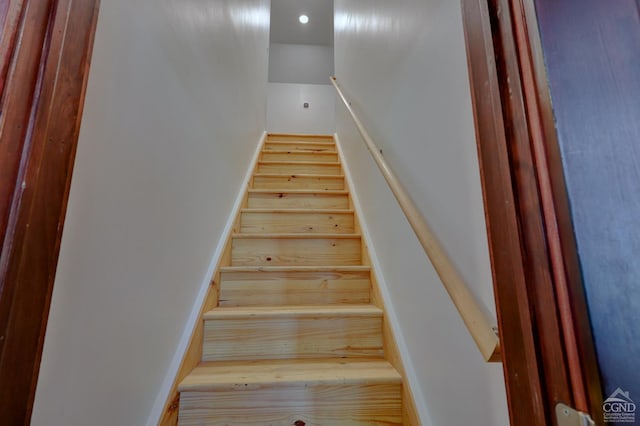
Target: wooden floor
[(295, 338)]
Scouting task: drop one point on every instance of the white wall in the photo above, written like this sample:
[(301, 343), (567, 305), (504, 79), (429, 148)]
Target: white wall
[(403, 66), (175, 106), (299, 73), (300, 63), (286, 114)]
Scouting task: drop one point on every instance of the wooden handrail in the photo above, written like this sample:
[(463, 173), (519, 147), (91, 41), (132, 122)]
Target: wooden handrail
[(472, 314)]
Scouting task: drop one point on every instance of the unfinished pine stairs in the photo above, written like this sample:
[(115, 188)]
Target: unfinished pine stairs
[(295, 336)]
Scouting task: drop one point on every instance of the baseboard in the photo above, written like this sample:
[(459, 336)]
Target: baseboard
[(163, 409), (396, 352)]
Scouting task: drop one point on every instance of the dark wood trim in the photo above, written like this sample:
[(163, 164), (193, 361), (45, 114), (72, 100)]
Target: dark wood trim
[(578, 338), (550, 350), (21, 72), (554, 269), (53, 56), (11, 13), (4, 10), (520, 363), (528, 218)]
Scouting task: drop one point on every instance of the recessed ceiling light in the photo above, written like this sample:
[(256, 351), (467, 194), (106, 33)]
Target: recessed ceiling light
[(303, 19)]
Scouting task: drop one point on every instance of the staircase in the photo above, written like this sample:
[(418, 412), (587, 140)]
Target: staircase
[(295, 338)]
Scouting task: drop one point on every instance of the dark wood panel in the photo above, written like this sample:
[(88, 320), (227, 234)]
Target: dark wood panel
[(31, 251)]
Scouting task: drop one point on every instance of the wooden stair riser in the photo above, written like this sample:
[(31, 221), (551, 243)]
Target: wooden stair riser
[(272, 288), (296, 200), (296, 251), (283, 182), (303, 167), (254, 222), (320, 405), (299, 146), (298, 155), (292, 337)]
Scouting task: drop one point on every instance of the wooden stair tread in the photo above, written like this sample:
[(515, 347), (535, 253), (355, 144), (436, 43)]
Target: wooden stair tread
[(300, 211), (300, 142), (230, 375), (296, 236), (301, 162), (295, 268), (303, 135), (301, 175), (307, 311), (300, 135), (297, 151), (298, 191)]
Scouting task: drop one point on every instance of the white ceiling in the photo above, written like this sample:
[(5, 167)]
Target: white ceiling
[(285, 27)]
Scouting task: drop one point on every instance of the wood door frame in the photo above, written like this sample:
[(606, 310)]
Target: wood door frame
[(45, 52), (547, 346)]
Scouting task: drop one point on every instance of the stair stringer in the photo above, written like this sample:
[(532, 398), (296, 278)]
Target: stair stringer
[(189, 351), (414, 410)]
